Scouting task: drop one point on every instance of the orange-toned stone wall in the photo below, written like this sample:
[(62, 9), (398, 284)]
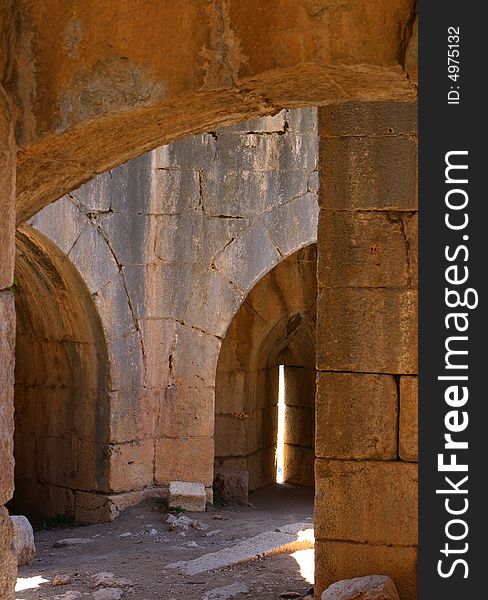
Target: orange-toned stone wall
[(366, 438), (274, 326), (61, 384)]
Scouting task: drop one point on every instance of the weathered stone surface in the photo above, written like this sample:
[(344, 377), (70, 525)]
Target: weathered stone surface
[(130, 465), (408, 446), (8, 560), (381, 173), (372, 587), (232, 486), (23, 540), (357, 416), (377, 331), (247, 259), (188, 495), (381, 501), (363, 249), (99, 508), (186, 412), (299, 465), (149, 101), (7, 344), (344, 560), (378, 118), (191, 458)]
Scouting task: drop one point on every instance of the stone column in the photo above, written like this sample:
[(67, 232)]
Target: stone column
[(366, 472), (8, 563)]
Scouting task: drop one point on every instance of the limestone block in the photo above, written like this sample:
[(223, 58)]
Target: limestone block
[(188, 459), (133, 414), (212, 303), (262, 468), (374, 118), (269, 124), (370, 502), (23, 540), (194, 359), (248, 258), (62, 222), (381, 173), (232, 486), (95, 194), (126, 361), (130, 465), (8, 154), (372, 587), (42, 501), (363, 249), (234, 193), (193, 153), (187, 495), (127, 235), (177, 237), (92, 257), (300, 386), (368, 330), (408, 449), (130, 185), (100, 508), (343, 560), (294, 224), (231, 435), (299, 426), (357, 416), (186, 412), (7, 357)]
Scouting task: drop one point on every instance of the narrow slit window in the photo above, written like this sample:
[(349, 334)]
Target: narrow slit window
[(280, 442)]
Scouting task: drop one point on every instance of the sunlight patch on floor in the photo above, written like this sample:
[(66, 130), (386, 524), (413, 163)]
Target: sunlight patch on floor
[(29, 583), (306, 562)]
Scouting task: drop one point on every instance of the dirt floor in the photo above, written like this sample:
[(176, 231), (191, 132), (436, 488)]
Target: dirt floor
[(138, 546)]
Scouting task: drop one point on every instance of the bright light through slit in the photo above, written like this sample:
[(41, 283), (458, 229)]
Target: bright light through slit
[(280, 444), (29, 583)]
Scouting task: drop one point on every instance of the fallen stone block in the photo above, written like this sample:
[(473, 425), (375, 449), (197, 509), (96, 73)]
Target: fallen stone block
[(108, 594), (109, 580), (186, 495), (23, 540), (373, 587), (232, 486), (226, 592)]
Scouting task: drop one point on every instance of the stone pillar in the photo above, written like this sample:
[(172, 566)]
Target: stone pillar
[(366, 472), (8, 562)]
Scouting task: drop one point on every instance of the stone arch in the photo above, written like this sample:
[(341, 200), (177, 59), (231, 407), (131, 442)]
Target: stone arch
[(62, 384), (274, 326), (93, 101)]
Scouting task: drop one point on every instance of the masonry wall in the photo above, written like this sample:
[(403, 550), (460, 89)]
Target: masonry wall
[(169, 245), (61, 384), (274, 326), (366, 406)]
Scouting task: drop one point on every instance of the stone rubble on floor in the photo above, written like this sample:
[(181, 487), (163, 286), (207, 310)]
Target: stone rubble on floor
[(373, 587), (226, 592), (187, 495)]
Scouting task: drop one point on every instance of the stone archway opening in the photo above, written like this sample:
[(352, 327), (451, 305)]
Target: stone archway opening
[(265, 384), (61, 384)]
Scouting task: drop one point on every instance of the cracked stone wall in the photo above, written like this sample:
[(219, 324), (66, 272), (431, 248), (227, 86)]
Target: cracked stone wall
[(274, 326), (169, 245)]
